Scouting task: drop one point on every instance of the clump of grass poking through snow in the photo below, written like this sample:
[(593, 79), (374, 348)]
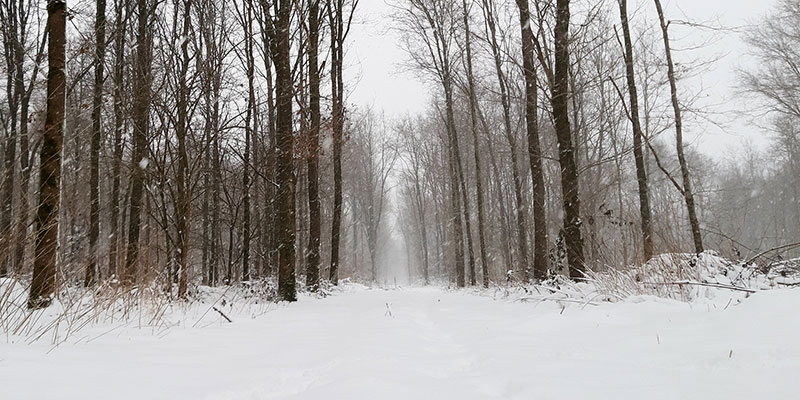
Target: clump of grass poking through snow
[(111, 307)]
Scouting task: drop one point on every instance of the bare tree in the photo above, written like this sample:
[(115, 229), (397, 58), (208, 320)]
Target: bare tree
[(774, 43), (566, 154), (246, 19), (141, 120), (686, 190), (638, 151), (97, 133), (279, 35), (43, 285), (315, 223), (522, 224), (120, 14), (534, 145), (339, 28), (183, 202), (473, 105)]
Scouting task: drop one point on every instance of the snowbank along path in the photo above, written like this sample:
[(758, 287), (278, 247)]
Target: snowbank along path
[(433, 344)]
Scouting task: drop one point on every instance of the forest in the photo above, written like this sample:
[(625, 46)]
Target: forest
[(219, 147), (247, 229)]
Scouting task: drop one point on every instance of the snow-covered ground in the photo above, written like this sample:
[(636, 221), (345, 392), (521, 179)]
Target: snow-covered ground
[(428, 343)]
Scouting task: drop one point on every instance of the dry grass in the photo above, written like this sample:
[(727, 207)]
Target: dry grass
[(75, 308), (111, 307), (678, 276)]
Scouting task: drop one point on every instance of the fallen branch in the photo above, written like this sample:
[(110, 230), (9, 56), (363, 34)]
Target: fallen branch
[(714, 285), (759, 255)]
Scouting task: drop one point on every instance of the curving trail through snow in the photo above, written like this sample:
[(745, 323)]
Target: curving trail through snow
[(436, 344)]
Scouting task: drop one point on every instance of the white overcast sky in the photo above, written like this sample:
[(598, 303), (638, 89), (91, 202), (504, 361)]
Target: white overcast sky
[(374, 63)]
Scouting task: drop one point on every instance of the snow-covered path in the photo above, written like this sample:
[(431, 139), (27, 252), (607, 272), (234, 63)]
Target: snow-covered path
[(435, 345)]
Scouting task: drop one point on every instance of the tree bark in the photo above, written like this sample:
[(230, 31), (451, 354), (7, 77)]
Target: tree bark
[(285, 157), (184, 200), (455, 200), (43, 285), (248, 138), (315, 223), (119, 122), (638, 150), (534, 146), (337, 96), (97, 131), (473, 101), (566, 154), (141, 119)]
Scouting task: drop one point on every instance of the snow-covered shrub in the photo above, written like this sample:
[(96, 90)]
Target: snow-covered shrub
[(688, 277), (678, 276)]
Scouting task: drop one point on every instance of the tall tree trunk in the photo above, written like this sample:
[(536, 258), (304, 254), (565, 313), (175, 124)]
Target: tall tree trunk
[(248, 139), (271, 217), (285, 157), (534, 146), (97, 131), (453, 160), (206, 210), (119, 123), (213, 116), (566, 154), (688, 194), (44, 267), (638, 150), (141, 119), (315, 223), (455, 215), (522, 239), (184, 208), (473, 101), (337, 96), (206, 79), (466, 216), (216, 183)]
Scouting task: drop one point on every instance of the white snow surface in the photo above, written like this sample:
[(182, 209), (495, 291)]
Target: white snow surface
[(431, 343)]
